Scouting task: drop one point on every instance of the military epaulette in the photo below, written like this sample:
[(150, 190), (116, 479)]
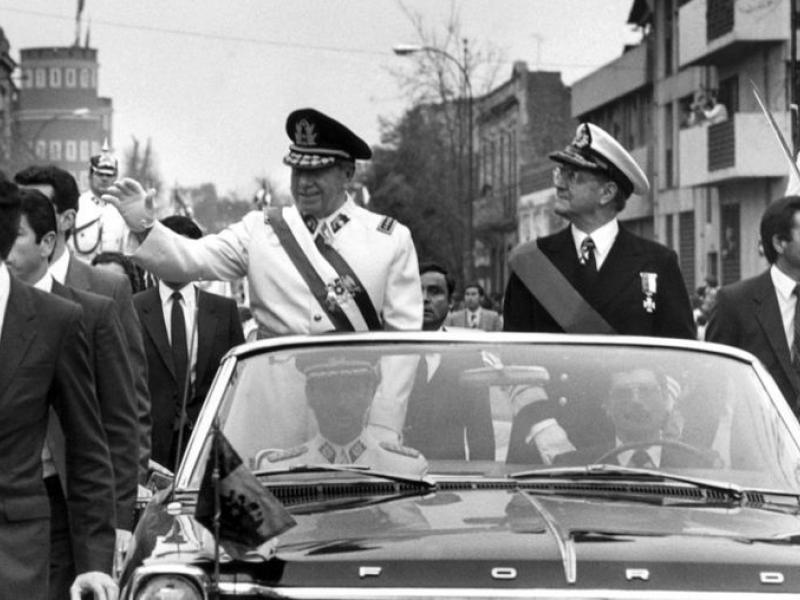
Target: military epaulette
[(386, 225), (401, 450), (279, 455)]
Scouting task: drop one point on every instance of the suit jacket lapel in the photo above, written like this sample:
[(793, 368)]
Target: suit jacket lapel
[(77, 274), (207, 321), (768, 316), (560, 249), (621, 266), (153, 323), (18, 332)]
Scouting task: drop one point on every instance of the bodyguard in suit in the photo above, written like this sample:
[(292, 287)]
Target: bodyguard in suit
[(45, 358), (184, 328), (474, 315), (595, 276), (28, 261), (60, 187), (444, 418), (760, 314)]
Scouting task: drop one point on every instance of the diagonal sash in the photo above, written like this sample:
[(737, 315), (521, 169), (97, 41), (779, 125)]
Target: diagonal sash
[(549, 286), (314, 282), (346, 273)]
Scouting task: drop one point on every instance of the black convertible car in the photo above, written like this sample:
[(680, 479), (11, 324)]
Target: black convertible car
[(489, 466)]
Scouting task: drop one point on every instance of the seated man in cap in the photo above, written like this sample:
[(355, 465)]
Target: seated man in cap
[(339, 391), (98, 226), (324, 264), (595, 276)]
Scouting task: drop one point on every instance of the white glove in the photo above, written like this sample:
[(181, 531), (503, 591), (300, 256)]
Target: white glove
[(133, 203)]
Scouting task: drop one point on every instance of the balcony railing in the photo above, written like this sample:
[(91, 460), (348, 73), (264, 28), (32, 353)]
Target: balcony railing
[(717, 31), (741, 147)]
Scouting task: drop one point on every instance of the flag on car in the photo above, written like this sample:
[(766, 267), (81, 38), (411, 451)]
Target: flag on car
[(249, 514)]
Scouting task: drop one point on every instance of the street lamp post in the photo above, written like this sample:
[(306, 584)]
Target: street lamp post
[(467, 243)]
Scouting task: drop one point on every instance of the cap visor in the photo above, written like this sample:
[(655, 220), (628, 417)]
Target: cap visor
[(574, 160)]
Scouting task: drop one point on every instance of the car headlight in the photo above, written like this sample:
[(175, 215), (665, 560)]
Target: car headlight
[(168, 587)]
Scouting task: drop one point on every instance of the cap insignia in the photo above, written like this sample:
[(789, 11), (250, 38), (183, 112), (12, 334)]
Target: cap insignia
[(583, 139), (305, 133)]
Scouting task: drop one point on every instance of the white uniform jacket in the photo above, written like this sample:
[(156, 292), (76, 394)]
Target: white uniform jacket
[(98, 228), (378, 249)]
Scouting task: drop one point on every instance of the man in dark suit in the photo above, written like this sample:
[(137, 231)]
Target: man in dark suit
[(28, 261), (474, 315), (595, 276), (45, 358), (60, 187), (205, 328), (445, 419), (760, 314)]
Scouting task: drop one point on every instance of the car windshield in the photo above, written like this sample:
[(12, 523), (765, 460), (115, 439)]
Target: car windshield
[(494, 409)]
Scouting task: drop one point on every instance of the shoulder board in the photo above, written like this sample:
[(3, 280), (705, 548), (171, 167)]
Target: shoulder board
[(401, 450), (279, 455), (386, 225)]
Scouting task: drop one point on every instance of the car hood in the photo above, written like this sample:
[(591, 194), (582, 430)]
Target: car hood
[(505, 537)]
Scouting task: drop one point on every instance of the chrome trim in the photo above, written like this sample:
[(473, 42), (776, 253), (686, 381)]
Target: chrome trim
[(144, 574), (504, 573), (771, 577), (328, 593), (640, 574), (369, 572), (566, 545)]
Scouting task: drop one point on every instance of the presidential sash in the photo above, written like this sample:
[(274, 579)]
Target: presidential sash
[(344, 299), (549, 286)]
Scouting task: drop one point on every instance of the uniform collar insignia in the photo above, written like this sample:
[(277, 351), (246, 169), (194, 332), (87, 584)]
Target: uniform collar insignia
[(305, 133), (328, 452), (356, 450), (340, 221)]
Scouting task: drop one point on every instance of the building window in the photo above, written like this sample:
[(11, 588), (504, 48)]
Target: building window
[(41, 150), (94, 78), (70, 78), (41, 78), (71, 150), (27, 79), (83, 150), (95, 147), (84, 78), (83, 179), (106, 123), (55, 149), (55, 77)]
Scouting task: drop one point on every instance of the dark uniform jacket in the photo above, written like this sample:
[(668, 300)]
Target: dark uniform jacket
[(218, 330), (45, 362), (617, 294)]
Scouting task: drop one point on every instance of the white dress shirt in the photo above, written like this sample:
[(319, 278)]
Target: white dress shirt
[(603, 238), (784, 290), (189, 305), (58, 268)]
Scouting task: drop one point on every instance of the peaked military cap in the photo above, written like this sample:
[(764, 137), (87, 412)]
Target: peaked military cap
[(318, 140), (104, 163), (594, 149), (320, 365)]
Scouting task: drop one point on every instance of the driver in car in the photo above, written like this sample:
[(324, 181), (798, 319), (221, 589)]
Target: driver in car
[(645, 425), (339, 391)]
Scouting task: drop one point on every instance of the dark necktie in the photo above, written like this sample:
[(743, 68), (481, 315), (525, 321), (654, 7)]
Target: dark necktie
[(587, 258), (179, 348), (641, 459), (796, 342)]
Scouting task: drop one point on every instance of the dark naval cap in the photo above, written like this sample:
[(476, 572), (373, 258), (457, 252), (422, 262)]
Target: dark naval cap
[(594, 149), (318, 141)]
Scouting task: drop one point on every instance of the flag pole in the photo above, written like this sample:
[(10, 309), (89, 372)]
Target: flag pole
[(775, 129)]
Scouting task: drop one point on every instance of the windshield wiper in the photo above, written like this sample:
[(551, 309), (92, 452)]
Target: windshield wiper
[(422, 482), (615, 471)]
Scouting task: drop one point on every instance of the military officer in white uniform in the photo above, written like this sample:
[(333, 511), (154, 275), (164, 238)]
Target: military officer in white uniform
[(324, 264), (98, 226), (339, 391)]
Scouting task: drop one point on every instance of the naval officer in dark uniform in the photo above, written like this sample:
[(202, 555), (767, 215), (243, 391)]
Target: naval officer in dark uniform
[(595, 276)]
